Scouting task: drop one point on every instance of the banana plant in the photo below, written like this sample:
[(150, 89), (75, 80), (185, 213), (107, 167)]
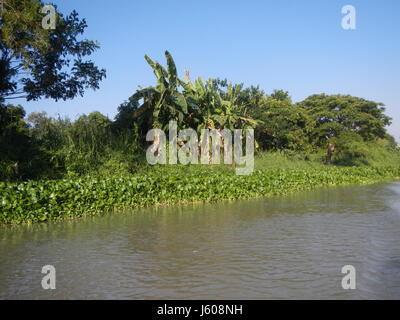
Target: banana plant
[(200, 105), (215, 111), (163, 102)]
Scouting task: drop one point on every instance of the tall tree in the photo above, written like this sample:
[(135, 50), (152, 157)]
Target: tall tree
[(334, 114), (161, 103), (36, 62)]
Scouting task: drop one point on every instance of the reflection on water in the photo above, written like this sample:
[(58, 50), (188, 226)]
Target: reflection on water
[(290, 247)]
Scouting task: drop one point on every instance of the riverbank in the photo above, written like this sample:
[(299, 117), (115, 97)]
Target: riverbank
[(49, 200)]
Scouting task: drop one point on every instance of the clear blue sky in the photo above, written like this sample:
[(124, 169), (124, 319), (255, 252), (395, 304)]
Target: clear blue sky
[(293, 45)]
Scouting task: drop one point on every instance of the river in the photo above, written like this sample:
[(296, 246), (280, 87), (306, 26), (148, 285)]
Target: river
[(289, 247)]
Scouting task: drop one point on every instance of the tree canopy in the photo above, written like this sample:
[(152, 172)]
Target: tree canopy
[(335, 114), (36, 62)]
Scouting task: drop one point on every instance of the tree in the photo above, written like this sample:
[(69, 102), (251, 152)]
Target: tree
[(217, 104), (36, 62), (335, 114), (20, 156), (281, 124), (349, 147), (154, 107), (280, 95)]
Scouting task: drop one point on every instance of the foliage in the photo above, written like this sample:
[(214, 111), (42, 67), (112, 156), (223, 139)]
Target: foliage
[(195, 105), (285, 126), (280, 125), (45, 147), (107, 157), (159, 104), (350, 148), (20, 156), (336, 114), (36, 62), (45, 200)]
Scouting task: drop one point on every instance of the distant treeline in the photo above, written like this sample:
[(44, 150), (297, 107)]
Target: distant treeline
[(39, 146)]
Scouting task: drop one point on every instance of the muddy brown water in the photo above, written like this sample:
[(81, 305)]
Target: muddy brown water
[(289, 247)]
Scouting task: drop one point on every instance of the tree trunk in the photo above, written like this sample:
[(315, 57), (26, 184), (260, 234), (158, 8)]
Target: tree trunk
[(331, 148)]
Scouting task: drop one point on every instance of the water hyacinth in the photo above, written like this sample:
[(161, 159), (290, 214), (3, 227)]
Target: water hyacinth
[(39, 201)]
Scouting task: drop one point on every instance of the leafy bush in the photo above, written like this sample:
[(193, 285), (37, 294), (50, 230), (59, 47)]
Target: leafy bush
[(350, 149)]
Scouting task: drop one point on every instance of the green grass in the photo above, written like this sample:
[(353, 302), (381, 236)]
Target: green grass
[(275, 160), (45, 200), (377, 155), (381, 155)]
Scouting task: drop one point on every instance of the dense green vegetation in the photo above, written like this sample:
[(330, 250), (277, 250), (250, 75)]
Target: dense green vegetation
[(39, 146), (94, 165), (55, 167), (37, 201), (38, 62)]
